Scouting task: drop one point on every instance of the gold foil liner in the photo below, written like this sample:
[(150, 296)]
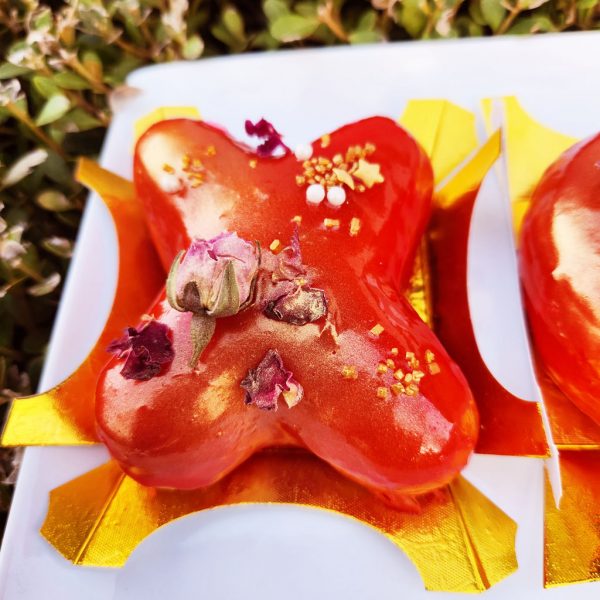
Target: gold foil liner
[(459, 542)]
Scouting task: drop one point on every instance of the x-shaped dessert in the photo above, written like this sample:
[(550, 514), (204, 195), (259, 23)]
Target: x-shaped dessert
[(283, 321)]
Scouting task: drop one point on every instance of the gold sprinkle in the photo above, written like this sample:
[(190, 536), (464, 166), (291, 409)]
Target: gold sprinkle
[(354, 226), (197, 163), (381, 368), (408, 377), (324, 161), (369, 148), (319, 178), (399, 375), (411, 389), (429, 356), (325, 140), (196, 183), (297, 219), (390, 363), (252, 162), (344, 177), (331, 223), (397, 388), (211, 151), (417, 376), (274, 245), (382, 392), (311, 181), (434, 368), (349, 372), (394, 351), (300, 180), (412, 360), (377, 330), (320, 169), (186, 161), (301, 281), (168, 168), (338, 159), (361, 188), (306, 164), (368, 173)]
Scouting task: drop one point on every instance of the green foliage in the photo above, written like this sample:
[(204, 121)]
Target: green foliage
[(61, 61)]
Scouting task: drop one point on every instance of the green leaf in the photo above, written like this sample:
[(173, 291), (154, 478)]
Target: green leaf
[(364, 37), (70, 81), (45, 86), (193, 48), (81, 119), (367, 21), (475, 12), (54, 109), (54, 201), (8, 71), (585, 4), (412, 18), (292, 28), (533, 24), (274, 9), (234, 23), (493, 13)]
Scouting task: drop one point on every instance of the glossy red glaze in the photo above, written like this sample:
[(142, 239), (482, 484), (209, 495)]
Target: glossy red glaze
[(560, 273), (187, 429)]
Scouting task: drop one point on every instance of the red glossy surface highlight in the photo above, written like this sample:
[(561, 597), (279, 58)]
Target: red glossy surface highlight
[(560, 273)]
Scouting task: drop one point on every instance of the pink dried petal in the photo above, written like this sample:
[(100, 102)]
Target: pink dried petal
[(265, 383), (303, 305), (272, 138), (149, 348)]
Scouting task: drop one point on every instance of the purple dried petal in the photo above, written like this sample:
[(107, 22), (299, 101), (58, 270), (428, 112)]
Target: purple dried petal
[(150, 347), (265, 130), (304, 305), (265, 383)]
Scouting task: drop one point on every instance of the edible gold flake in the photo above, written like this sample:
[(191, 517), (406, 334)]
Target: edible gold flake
[(381, 368), (349, 372), (368, 173), (252, 162), (344, 177), (408, 378), (429, 356), (300, 180), (399, 375), (361, 188), (369, 148), (197, 164), (394, 351), (411, 389), (338, 159), (325, 140), (382, 392), (433, 368), (331, 223), (211, 151), (397, 389), (274, 245), (377, 329), (354, 226), (168, 168), (390, 363), (297, 219)]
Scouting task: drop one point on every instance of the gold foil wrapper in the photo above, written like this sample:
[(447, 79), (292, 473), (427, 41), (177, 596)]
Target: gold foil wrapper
[(459, 542)]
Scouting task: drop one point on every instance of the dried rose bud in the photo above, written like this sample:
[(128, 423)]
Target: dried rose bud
[(215, 277), (303, 305), (149, 348), (265, 383)]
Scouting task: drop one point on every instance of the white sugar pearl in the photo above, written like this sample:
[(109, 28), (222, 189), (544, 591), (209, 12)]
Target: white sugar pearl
[(169, 183), (336, 195), (315, 193), (303, 151)]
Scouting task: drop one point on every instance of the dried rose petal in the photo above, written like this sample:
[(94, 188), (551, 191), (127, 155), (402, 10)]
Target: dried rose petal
[(272, 138), (265, 383), (150, 347), (304, 305)]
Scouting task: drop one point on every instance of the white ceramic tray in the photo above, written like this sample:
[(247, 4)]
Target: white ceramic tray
[(291, 552)]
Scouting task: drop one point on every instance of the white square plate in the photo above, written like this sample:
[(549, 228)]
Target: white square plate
[(273, 552)]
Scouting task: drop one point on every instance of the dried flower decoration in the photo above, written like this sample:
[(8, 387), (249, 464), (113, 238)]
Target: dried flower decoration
[(272, 139), (149, 349), (265, 383)]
